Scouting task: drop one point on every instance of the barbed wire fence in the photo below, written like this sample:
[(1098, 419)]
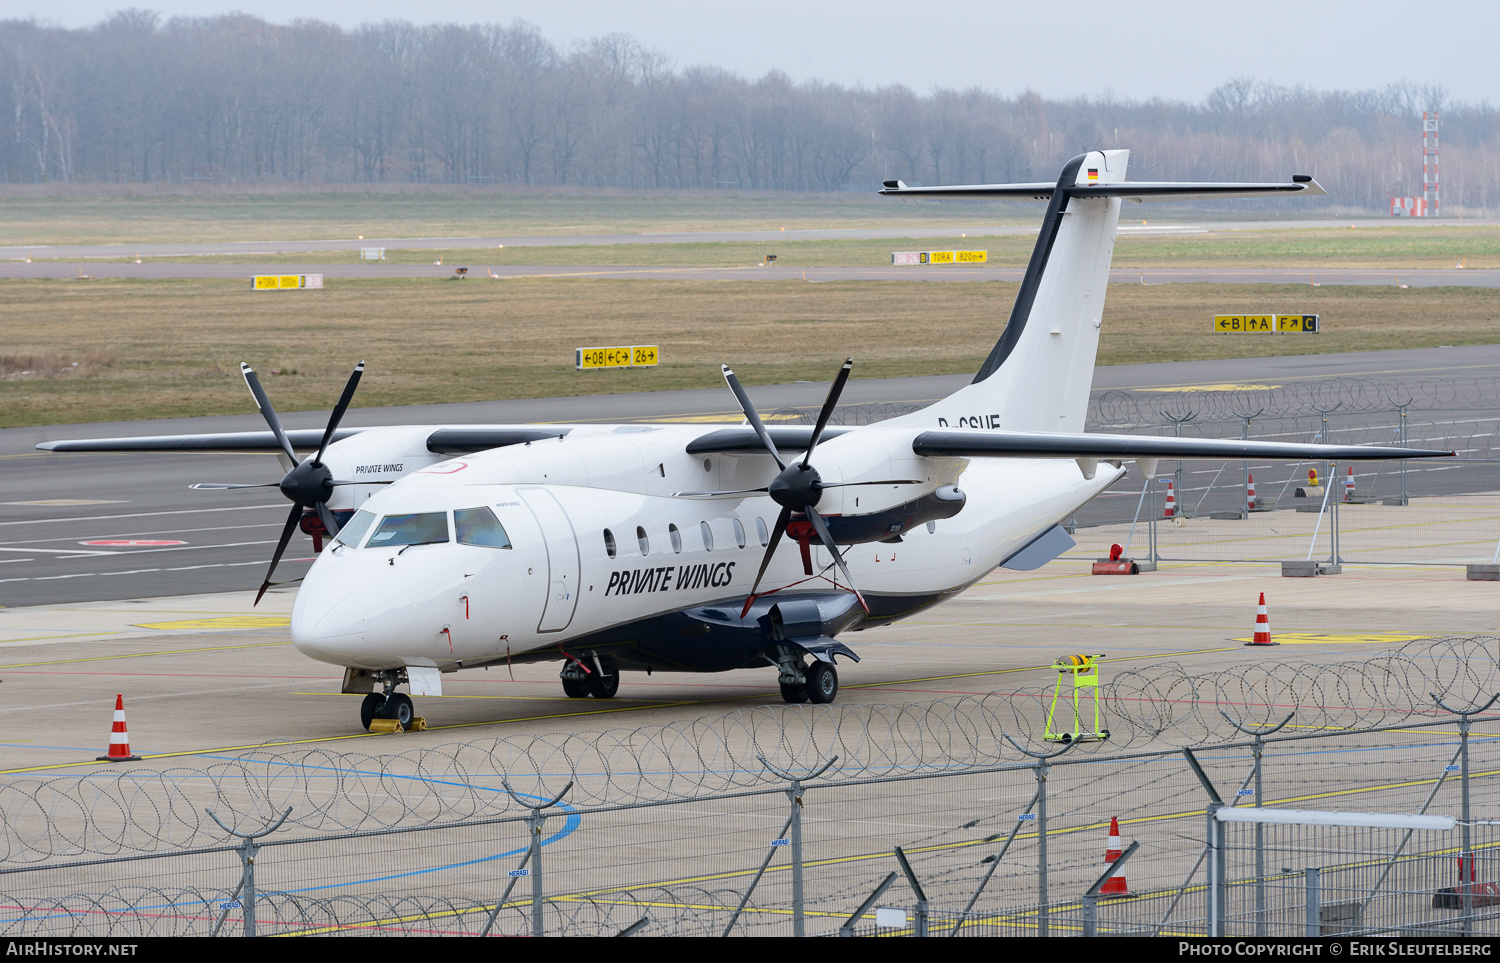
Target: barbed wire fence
[(689, 825)]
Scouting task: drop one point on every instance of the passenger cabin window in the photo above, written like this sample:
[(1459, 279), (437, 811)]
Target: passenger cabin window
[(645, 543), (479, 526), (739, 533), (760, 531), (609, 543), (354, 530), (676, 536), (423, 529), (708, 536)]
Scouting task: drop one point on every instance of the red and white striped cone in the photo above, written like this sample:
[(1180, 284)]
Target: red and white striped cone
[(1250, 493), (119, 739), (1349, 484), (1115, 885), (1262, 625), (1171, 508)]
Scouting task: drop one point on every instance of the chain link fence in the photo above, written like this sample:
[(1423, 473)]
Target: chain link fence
[(954, 817)]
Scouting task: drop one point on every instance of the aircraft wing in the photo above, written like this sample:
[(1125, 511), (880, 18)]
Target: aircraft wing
[(1029, 444), (232, 442), (458, 440), (1138, 191)]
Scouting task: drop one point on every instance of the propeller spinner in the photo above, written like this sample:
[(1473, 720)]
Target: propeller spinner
[(310, 483)]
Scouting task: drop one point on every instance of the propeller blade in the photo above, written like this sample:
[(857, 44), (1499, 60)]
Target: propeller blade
[(388, 481), (888, 481), (738, 491), (776, 533), (836, 389), (339, 409), (216, 486), (329, 521), (286, 536), (750, 415), (821, 527), (267, 412)]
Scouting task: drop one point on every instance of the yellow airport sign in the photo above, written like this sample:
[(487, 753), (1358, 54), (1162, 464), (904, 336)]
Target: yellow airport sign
[(1266, 323), (285, 282), (1297, 323), (1254, 323), (940, 257), (619, 356)]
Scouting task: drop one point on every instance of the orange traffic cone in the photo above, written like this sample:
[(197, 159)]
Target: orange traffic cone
[(1349, 484), (1115, 885), (119, 739), (1171, 508), (1250, 493), (1262, 625)]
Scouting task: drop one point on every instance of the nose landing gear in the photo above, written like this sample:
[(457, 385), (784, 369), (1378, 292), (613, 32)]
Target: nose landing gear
[(389, 704)]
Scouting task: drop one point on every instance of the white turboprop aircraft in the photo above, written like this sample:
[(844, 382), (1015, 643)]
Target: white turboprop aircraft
[(641, 547)]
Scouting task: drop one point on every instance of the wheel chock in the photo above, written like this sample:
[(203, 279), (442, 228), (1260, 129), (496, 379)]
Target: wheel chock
[(418, 724)]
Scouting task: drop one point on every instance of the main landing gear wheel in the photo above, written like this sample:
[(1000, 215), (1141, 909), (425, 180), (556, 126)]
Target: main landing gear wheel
[(369, 710), (822, 683), (603, 686), (399, 707), (575, 688), (793, 693)]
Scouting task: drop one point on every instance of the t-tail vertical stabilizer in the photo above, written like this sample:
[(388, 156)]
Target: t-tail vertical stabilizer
[(1038, 375)]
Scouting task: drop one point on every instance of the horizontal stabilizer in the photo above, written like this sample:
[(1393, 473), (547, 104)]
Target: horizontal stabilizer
[(1027, 444), (1138, 191)]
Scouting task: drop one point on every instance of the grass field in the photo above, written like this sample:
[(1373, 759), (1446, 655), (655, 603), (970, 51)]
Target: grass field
[(168, 348), (1394, 248), (151, 218)]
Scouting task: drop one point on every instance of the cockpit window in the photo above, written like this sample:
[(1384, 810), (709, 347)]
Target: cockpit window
[(421, 529), (354, 530), (479, 526)]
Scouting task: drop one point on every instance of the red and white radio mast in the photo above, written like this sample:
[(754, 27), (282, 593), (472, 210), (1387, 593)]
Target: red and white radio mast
[(1430, 162)]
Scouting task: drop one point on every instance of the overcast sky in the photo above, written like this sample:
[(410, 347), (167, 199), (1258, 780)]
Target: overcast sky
[(1153, 48)]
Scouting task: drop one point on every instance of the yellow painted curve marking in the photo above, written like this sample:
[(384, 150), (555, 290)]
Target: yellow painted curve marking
[(223, 622), (140, 655), (1217, 387), (1340, 638)]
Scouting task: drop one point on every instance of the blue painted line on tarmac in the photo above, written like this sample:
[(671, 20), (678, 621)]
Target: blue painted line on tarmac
[(570, 825)]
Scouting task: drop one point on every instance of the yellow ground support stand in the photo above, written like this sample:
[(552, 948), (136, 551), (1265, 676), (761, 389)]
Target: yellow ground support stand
[(1085, 672)]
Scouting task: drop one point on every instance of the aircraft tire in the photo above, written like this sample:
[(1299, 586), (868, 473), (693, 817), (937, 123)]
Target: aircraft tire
[(604, 686), (575, 688), (822, 683), (369, 709), (793, 694), (400, 708)]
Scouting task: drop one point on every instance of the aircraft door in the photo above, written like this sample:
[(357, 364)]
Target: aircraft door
[(562, 558)]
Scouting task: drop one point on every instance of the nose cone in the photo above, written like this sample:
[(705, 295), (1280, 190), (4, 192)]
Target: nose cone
[(326, 622)]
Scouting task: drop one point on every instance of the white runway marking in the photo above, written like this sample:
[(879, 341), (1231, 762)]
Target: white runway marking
[(141, 571), (99, 518)]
